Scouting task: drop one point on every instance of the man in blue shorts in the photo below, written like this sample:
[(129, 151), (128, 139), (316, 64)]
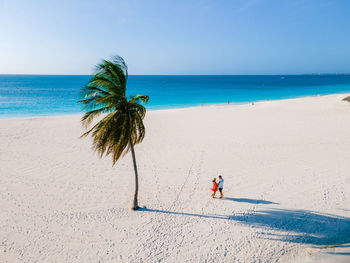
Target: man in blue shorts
[(221, 186)]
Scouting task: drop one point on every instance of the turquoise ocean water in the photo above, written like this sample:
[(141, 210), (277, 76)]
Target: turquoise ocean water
[(42, 95)]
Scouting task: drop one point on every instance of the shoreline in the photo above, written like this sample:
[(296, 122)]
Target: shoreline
[(185, 107)]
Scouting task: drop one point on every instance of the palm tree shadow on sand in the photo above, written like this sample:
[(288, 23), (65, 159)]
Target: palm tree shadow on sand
[(303, 226)]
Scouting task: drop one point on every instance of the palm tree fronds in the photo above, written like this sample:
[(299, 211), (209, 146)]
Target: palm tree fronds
[(104, 80), (139, 129), (137, 98), (347, 99), (90, 115), (117, 70), (141, 110)]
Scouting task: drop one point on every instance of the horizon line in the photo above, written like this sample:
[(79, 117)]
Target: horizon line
[(286, 74)]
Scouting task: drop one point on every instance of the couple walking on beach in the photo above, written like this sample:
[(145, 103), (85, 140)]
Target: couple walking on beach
[(218, 186)]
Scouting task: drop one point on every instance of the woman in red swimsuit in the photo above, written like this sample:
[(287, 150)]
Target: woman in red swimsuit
[(215, 188)]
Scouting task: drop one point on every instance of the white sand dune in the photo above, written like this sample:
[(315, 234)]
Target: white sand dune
[(286, 166)]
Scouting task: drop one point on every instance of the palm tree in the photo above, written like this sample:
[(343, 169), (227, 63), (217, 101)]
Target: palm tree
[(118, 131)]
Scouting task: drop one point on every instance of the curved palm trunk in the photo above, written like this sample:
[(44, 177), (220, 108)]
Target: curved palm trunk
[(135, 205)]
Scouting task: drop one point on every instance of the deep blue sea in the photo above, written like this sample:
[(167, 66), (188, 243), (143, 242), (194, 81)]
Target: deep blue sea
[(40, 95)]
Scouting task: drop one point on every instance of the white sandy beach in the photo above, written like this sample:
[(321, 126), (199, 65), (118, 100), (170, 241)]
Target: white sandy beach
[(286, 166)]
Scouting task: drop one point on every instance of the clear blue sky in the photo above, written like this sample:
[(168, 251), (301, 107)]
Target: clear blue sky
[(176, 37)]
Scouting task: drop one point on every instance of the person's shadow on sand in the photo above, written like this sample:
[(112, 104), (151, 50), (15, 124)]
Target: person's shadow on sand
[(303, 226), (250, 201)]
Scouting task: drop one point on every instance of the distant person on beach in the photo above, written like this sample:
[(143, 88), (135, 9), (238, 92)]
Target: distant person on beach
[(221, 186), (215, 188)]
